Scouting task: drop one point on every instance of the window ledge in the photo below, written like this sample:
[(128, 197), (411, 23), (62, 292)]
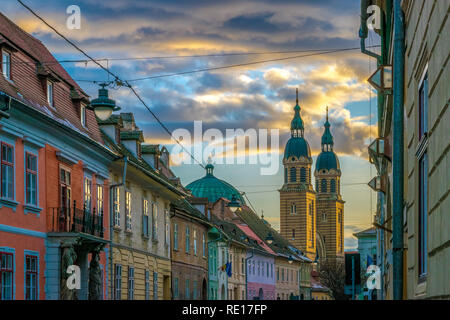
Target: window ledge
[(155, 241), (117, 228), (128, 232), (9, 203), (32, 209)]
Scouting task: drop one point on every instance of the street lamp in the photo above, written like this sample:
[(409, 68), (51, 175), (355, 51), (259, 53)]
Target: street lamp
[(290, 260), (103, 106), (269, 238), (234, 204)]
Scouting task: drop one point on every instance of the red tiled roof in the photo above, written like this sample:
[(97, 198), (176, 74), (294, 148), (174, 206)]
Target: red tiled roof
[(249, 232), (27, 87)]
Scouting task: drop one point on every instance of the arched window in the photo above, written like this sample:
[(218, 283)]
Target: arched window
[(285, 175), (323, 185), (324, 217), (293, 174), (293, 234), (333, 186), (317, 185), (293, 209), (302, 174)]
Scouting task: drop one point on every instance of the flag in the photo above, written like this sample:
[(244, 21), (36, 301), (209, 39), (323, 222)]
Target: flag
[(223, 268), (228, 269)]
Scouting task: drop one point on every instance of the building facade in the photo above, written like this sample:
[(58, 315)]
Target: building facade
[(140, 200), (54, 202), (411, 151), (367, 248), (189, 252)]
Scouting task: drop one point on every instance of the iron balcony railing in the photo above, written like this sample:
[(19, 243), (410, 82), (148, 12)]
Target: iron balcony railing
[(73, 219)]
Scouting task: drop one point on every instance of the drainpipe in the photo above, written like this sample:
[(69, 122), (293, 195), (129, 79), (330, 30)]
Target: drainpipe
[(111, 220), (397, 161), (246, 273)]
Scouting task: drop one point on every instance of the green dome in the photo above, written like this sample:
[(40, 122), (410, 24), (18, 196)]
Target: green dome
[(327, 160), (297, 147), (213, 188)]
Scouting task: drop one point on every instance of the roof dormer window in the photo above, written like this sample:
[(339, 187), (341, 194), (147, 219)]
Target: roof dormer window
[(6, 64), (50, 93), (83, 115)]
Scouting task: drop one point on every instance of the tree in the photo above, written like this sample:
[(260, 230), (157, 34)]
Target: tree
[(332, 275)]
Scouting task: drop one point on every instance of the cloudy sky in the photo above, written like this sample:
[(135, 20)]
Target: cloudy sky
[(259, 96)]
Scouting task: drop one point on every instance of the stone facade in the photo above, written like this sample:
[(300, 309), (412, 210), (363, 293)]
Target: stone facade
[(287, 279), (427, 54), (189, 256)]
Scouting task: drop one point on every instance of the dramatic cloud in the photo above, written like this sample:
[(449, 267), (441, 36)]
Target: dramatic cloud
[(260, 96)]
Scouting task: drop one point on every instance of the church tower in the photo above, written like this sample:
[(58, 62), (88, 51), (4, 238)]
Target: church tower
[(297, 196), (330, 206)]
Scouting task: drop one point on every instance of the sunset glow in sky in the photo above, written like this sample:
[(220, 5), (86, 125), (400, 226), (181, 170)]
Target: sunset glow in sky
[(259, 96)]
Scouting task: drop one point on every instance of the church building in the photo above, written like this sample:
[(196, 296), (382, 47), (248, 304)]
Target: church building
[(312, 219)]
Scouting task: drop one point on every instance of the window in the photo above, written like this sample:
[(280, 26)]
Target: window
[(324, 217), (195, 242), (88, 194), (423, 107), (285, 175), (31, 179), (282, 274), (176, 291), (293, 209), (194, 290), (302, 174), (7, 171), (188, 237), (242, 266), (116, 206), (293, 175), (175, 236), (130, 283), (204, 245), (317, 185), (117, 282), (147, 285), (323, 185), (31, 278), (83, 115), (271, 270), (167, 229), (145, 218), (333, 186), (50, 93), (155, 285), (6, 276), (100, 199), (423, 214), (154, 221), (6, 64), (267, 268), (187, 290), (293, 234), (128, 225)]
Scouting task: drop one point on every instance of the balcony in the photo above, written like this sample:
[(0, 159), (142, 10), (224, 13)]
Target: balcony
[(75, 220)]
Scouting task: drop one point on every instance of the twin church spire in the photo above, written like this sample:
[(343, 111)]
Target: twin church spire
[(297, 128)]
